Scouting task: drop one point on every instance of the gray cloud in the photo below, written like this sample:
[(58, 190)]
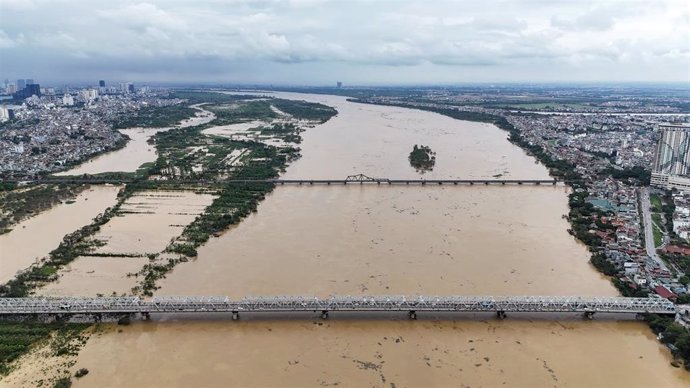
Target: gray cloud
[(357, 41)]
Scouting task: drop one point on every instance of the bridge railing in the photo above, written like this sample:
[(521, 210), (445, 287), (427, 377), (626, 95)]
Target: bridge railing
[(335, 303)]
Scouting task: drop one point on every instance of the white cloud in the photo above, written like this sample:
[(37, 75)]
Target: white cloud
[(500, 38)]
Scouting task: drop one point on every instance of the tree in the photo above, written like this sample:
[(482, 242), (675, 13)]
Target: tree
[(673, 333)]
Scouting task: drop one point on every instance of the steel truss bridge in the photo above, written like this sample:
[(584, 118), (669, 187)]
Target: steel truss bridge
[(351, 179), (99, 306)]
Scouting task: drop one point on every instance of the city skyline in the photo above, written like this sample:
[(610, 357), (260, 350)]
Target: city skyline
[(356, 42)]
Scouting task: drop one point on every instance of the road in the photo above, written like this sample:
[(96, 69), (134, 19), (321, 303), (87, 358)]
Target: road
[(645, 205)]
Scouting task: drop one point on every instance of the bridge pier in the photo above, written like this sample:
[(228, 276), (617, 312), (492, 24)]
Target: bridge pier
[(324, 314), (501, 314), (589, 315), (235, 315), (412, 314)]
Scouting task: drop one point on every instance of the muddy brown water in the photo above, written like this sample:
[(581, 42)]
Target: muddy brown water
[(34, 238), (136, 152), (390, 240)]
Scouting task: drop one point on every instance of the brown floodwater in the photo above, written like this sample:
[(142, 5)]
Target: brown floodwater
[(128, 159), (149, 220), (136, 152), (34, 238), (148, 223), (390, 240)]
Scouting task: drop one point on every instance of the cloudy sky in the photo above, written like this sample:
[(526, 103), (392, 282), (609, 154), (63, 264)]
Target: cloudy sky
[(317, 42)]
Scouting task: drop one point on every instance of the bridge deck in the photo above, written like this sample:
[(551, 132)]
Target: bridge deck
[(189, 304), (310, 181)]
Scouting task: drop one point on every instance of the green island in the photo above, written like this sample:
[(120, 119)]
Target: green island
[(422, 158), (155, 117)]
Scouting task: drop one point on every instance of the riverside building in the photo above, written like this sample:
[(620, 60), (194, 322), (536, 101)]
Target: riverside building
[(672, 161)]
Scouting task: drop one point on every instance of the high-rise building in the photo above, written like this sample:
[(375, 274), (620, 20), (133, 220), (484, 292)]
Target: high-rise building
[(130, 87), (67, 99), (28, 91), (29, 81), (21, 84), (89, 94), (671, 167), (6, 113), (339, 84), (101, 84)]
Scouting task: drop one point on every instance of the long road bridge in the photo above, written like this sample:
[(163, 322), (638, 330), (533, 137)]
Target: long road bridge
[(352, 179), (100, 306)]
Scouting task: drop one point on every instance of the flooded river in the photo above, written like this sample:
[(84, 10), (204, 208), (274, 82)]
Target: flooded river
[(389, 240)]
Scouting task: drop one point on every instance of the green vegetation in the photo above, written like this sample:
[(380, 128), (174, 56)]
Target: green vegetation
[(81, 373), (63, 382), (603, 265), (21, 203), (658, 236), (17, 339), (422, 158), (637, 175), (672, 334), (303, 110), (241, 111), (668, 207), (656, 203), (6, 186), (155, 117), (287, 132), (205, 97)]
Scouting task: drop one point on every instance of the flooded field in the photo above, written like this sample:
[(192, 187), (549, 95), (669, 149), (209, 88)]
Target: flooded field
[(383, 240), (35, 237), (93, 275), (137, 151), (149, 220)]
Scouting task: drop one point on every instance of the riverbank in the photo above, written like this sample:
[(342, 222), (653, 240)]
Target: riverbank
[(354, 240), (379, 240), (583, 218)]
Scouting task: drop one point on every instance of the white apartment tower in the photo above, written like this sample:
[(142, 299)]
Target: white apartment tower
[(672, 161)]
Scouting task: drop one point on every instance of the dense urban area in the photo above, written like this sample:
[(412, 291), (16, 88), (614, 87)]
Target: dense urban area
[(600, 141)]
